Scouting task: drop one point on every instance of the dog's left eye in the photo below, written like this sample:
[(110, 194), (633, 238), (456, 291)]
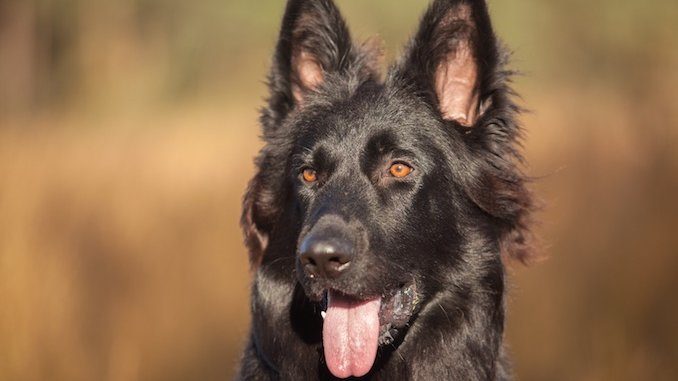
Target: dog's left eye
[(400, 170)]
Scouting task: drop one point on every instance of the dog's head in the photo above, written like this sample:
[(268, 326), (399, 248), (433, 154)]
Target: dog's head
[(379, 192)]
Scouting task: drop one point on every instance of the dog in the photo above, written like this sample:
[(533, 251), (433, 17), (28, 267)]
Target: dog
[(384, 207)]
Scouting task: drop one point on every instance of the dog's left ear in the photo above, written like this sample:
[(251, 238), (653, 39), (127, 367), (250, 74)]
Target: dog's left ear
[(455, 64), (450, 58)]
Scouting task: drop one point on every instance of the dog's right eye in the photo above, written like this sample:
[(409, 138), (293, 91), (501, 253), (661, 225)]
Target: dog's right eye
[(400, 170), (309, 175)]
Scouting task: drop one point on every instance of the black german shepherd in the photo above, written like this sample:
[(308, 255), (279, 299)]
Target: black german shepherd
[(383, 207)]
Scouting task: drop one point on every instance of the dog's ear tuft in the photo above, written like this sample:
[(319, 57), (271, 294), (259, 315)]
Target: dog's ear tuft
[(450, 58), (456, 75), (261, 205), (314, 43), (308, 74), (256, 238)]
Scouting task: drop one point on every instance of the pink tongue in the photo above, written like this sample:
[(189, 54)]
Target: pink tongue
[(350, 335)]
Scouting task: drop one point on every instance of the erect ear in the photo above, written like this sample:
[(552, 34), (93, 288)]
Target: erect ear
[(450, 58), (314, 44)]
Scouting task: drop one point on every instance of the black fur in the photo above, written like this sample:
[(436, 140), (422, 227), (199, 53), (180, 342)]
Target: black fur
[(443, 230)]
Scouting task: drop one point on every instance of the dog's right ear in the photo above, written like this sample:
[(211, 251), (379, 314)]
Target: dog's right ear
[(314, 43)]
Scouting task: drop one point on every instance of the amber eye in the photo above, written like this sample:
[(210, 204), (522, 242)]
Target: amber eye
[(400, 170), (309, 175)]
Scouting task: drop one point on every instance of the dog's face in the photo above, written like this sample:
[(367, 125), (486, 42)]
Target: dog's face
[(367, 174), (379, 192)]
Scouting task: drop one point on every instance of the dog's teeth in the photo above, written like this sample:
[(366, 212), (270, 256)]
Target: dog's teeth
[(323, 313)]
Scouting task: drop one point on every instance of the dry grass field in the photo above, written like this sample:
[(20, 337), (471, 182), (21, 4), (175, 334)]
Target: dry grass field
[(123, 160), (121, 254)]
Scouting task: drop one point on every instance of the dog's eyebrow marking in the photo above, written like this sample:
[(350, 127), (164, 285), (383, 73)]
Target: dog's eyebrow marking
[(382, 142), (302, 158)]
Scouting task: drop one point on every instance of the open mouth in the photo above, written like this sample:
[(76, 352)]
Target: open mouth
[(354, 328)]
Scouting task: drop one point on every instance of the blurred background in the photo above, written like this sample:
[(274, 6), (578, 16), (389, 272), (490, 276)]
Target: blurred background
[(127, 131)]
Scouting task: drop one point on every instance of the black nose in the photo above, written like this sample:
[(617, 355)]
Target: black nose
[(325, 257)]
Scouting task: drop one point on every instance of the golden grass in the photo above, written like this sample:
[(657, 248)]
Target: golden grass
[(121, 257)]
